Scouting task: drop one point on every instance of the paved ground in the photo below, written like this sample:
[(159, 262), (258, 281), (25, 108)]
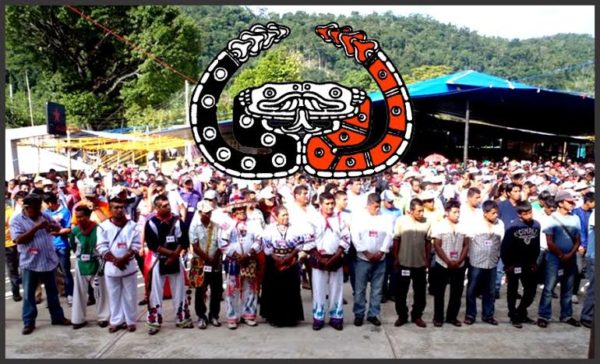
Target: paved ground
[(477, 341)]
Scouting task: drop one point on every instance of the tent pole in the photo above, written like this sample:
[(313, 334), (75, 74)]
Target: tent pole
[(466, 145), (564, 153), (69, 152)]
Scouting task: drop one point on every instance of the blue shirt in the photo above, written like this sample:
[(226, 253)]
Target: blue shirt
[(394, 212), (561, 239), (591, 238), (38, 254), (62, 216), (584, 218), (507, 213)]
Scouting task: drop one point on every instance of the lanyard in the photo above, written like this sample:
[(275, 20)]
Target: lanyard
[(283, 236)]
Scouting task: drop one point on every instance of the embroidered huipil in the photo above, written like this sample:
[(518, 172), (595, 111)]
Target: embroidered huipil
[(330, 233)]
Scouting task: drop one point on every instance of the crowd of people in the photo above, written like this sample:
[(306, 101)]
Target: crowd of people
[(257, 244)]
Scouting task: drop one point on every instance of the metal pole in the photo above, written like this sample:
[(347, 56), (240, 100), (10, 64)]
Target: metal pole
[(69, 152), (29, 97), (466, 145), (564, 153), (187, 102)]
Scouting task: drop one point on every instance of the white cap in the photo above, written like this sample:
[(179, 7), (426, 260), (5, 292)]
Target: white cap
[(568, 185), (47, 182), (265, 193), (518, 171), (204, 206), (410, 174), (115, 191), (427, 195), (580, 186), (438, 179), (210, 195), (387, 195)]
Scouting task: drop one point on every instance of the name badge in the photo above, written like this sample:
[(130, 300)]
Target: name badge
[(207, 268), (454, 255), (488, 242), (85, 257), (518, 270), (122, 245), (561, 272), (191, 209), (405, 273), (372, 234), (33, 251), (170, 239)]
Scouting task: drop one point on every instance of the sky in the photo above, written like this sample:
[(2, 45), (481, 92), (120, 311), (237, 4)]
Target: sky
[(510, 22)]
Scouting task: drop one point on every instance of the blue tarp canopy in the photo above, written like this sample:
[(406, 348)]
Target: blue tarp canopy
[(502, 103)]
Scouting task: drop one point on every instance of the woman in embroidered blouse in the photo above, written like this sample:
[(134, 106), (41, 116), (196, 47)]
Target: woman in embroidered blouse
[(281, 304)]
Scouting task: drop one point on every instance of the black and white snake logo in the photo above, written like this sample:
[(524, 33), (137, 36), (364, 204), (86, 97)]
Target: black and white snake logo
[(325, 129)]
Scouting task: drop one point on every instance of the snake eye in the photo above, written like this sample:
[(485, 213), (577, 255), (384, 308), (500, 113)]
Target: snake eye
[(335, 92), (269, 92)]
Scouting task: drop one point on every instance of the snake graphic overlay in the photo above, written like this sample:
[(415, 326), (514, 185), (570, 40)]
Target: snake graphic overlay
[(327, 129)]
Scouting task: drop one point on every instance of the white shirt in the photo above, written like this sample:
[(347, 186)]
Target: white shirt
[(371, 233), (128, 238), (468, 216), (545, 221), (239, 238), (330, 233), (356, 202), (273, 239)]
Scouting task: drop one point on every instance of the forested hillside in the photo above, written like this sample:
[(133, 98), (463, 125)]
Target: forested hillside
[(105, 83)]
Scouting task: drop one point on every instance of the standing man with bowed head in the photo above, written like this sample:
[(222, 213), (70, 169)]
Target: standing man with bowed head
[(412, 252), (32, 232), (119, 241)]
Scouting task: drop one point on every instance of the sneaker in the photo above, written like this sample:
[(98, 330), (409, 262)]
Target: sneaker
[(374, 320), (571, 321), (358, 321), (202, 324), (587, 323), (70, 301), (575, 299), (153, 330), (516, 324), (187, 324), (251, 322), (232, 325), (79, 326), (27, 330), (215, 322)]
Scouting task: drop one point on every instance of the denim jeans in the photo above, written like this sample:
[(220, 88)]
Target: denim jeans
[(64, 261), (30, 280), (566, 280), (368, 272), (587, 312), (484, 281), (499, 275)]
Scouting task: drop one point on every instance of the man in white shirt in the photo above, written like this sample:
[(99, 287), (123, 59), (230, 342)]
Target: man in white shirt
[(372, 237), (470, 212), (356, 200), (332, 240)]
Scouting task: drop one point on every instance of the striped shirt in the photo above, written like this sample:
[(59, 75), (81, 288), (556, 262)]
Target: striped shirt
[(199, 234), (38, 254), (485, 243)]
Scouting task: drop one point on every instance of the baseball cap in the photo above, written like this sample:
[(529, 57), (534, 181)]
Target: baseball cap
[(210, 195), (427, 195), (387, 195), (115, 191), (564, 196), (580, 186), (204, 206), (186, 178), (89, 190)]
